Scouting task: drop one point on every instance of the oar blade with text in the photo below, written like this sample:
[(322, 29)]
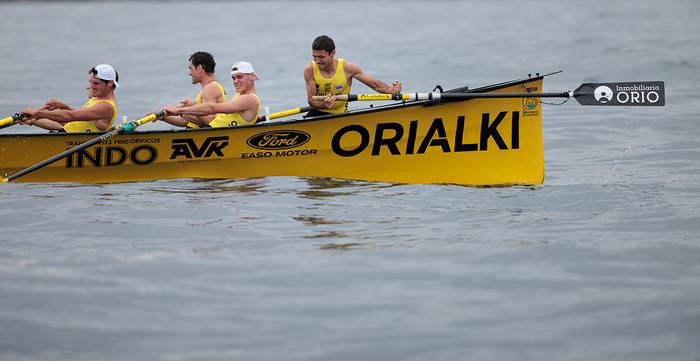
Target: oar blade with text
[(640, 93)]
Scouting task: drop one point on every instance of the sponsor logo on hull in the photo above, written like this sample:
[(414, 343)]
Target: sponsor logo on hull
[(279, 143), (530, 104), (111, 156), (189, 149), (386, 137), (278, 139)]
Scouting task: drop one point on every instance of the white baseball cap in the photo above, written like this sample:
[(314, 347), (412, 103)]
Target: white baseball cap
[(243, 67), (105, 72)]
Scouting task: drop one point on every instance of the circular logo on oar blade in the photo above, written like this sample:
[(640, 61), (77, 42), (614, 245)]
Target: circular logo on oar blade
[(278, 139), (603, 94)]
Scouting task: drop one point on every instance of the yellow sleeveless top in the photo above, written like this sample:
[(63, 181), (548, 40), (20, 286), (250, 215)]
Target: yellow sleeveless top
[(198, 100), (89, 125), (233, 119), (337, 84)]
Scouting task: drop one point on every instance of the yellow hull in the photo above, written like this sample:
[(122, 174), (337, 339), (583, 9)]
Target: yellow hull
[(471, 142)]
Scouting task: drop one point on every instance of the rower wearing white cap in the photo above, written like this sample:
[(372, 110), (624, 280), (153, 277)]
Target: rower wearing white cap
[(243, 108), (97, 115)]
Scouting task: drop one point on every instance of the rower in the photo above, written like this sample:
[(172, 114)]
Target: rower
[(96, 115), (327, 76), (242, 109), (201, 69)]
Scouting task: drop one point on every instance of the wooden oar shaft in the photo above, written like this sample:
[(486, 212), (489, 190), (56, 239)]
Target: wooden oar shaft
[(120, 129), (284, 113), (437, 96)]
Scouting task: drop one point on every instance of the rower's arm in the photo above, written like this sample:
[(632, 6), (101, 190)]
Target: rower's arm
[(52, 104), (240, 104), (45, 124), (353, 70), (175, 120), (311, 88), (100, 113)]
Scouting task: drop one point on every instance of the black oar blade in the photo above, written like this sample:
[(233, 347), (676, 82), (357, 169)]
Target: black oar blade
[(638, 93)]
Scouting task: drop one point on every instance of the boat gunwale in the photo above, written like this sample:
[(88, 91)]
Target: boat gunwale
[(371, 109)]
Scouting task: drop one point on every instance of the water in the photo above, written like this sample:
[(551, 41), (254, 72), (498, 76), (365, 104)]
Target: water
[(600, 262)]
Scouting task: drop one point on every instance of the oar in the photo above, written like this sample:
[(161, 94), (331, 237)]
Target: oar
[(6, 122), (437, 96), (120, 129), (638, 93), (284, 113)]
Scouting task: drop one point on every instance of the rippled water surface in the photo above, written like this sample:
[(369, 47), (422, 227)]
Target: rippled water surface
[(601, 262)]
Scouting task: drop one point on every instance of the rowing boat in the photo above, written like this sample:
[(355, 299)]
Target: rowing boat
[(477, 141)]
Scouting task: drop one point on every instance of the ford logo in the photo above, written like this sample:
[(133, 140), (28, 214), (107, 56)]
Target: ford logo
[(278, 139)]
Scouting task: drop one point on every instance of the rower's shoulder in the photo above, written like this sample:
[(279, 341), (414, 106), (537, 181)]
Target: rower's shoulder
[(212, 89), (351, 67), (309, 71), (250, 95), (247, 97), (106, 102), (214, 84), (248, 101)]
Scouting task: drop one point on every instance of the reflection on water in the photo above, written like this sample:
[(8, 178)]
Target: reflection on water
[(315, 221), (317, 183), (328, 234), (341, 246), (205, 223), (249, 186), (323, 187)]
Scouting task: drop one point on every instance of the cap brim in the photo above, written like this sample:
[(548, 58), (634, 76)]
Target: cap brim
[(238, 72)]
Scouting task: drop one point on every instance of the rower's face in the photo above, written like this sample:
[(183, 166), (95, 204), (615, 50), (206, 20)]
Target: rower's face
[(323, 58), (194, 72), (242, 81), (97, 87)]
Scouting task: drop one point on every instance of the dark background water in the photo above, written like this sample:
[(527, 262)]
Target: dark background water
[(600, 262)]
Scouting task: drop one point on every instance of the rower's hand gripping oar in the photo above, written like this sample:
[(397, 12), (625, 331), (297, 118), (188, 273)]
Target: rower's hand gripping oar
[(6, 122), (120, 129), (284, 113)]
